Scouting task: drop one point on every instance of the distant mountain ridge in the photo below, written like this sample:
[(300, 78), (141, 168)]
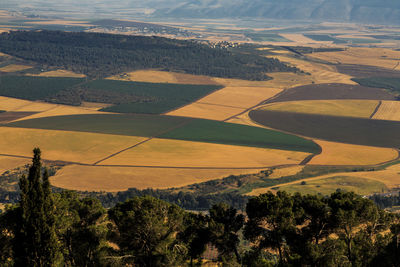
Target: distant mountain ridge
[(363, 11)]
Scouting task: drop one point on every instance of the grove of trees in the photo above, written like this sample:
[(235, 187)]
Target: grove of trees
[(63, 229)]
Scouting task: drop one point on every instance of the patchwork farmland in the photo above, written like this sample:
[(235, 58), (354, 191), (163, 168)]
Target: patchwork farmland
[(172, 128)]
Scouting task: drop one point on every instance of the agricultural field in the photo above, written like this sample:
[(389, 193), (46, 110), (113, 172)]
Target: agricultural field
[(59, 73), (357, 131), (329, 185), (388, 110), (69, 146), (170, 127), (320, 73), (35, 88), (145, 97), (347, 108), (377, 57), (332, 91), (390, 83), (14, 68), (364, 71), (334, 153), (102, 178), (154, 76), (177, 153)]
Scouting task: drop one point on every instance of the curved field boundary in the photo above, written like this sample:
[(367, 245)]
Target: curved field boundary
[(331, 91), (357, 131)]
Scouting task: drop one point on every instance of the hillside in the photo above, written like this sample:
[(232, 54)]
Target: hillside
[(371, 11), (100, 55)]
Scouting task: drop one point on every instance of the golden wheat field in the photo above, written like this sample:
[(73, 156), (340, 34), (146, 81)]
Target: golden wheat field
[(59, 110), (346, 154), (14, 68), (298, 38), (9, 163), (177, 153), (380, 57), (320, 73), (286, 171), (348, 108), (59, 73), (239, 97), (206, 111), (14, 104), (101, 178), (389, 110), (154, 76), (63, 145)]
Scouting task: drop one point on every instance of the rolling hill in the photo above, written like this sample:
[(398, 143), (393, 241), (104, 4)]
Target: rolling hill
[(366, 11)]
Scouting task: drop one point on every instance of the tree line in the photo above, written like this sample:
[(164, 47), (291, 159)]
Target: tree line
[(99, 55), (62, 229)]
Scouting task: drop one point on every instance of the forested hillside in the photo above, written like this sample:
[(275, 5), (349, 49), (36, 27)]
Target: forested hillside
[(100, 55)]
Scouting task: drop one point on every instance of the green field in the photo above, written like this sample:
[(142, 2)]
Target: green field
[(329, 185), (170, 127), (266, 37), (34, 88), (324, 37), (121, 124), (392, 84), (235, 134), (159, 97)]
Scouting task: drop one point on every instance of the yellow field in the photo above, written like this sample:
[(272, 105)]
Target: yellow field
[(176, 153), (94, 105), (205, 111), (62, 145), (60, 73), (390, 177), (62, 22), (329, 185), (320, 73), (349, 108), (298, 38), (238, 95), (154, 76), (286, 171), (9, 163), (14, 68), (59, 110), (380, 57), (14, 104), (389, 110), (345, 154), (43, 109), (99, 178)]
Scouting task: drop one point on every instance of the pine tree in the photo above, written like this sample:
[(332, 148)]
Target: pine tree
[(35, 242)]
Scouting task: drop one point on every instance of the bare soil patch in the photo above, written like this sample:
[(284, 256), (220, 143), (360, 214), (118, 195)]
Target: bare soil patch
[(380, 133), (10, 116), (332, 91), (364, 71)]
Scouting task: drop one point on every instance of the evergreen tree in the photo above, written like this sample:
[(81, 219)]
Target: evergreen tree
[(35, 240)]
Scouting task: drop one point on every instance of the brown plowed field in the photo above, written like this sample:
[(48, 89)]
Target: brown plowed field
[(363, 71), (10, 116), (380, 133), (332, 91)]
